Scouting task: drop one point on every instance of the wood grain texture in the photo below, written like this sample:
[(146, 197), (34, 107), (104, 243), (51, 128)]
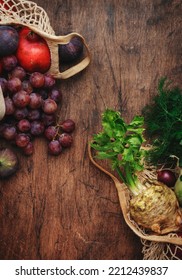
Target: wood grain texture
[(63, 207)]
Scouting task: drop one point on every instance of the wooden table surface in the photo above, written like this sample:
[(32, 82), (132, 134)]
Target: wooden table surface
[(63, 207)]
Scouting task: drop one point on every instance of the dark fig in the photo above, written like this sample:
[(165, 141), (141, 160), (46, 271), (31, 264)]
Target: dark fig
[(71, 51), (9, 40), (8, 162)]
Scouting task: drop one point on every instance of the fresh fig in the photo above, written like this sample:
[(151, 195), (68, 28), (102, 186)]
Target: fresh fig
[(9, 40), (71, 51), (8, 162)]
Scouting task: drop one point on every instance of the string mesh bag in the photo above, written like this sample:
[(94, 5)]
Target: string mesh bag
[(161, 251), (28, 13), (154, 246)]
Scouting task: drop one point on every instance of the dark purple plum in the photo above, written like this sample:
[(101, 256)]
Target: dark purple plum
[(9, 40), (71, 51)]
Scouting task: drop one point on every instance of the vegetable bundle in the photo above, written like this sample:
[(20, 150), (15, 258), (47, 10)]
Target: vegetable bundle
[(153, 205)]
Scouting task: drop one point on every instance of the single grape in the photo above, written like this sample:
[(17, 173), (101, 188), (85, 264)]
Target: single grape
[(22, 140), (65, 140), (55, 95), (48, 119), (68, 125), (20, 113), (34, 114), (50, 132), (10, 107), (9, 132), (49, 106), (35, 100), (37, 128), (9, 62), (24, 125), (43, 93), (28, 133), (49, 81), (26, 85), (28, 150), (21, 99), (37, 80), (14, 84), (18, 72), (54, 148)]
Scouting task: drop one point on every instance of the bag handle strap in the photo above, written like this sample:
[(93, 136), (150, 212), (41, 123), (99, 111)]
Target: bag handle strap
[(121, 188), (53, 43)]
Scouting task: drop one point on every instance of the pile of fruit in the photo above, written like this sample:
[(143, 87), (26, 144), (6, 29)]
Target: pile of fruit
[(30, 94)]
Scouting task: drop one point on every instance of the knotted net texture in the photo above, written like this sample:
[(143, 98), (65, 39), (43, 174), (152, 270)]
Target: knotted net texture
[(160, 251), (26, 13)]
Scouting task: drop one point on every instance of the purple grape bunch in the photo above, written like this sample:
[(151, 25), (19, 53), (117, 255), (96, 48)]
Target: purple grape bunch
[(31, 102)]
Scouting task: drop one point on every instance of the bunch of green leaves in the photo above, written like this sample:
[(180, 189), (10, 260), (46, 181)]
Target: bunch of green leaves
[(163, 122), (121, 143)]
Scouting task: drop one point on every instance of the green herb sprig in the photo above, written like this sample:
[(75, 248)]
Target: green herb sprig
[(163, 122)]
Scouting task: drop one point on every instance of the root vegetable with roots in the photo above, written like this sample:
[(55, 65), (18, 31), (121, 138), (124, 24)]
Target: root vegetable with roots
[(155, 207)]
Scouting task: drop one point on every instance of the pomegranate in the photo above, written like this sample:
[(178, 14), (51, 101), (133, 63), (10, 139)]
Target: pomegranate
[(33, 52)]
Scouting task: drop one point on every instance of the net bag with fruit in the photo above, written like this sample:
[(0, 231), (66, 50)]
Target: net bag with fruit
[(31, 59), (150, 198), (25, 31), (27, 13)]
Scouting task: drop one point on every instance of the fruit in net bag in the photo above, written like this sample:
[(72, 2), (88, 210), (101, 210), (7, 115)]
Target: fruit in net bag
[(9, 39), (33, 52)]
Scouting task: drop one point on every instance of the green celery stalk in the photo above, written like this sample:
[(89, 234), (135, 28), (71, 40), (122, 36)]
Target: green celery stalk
[(121, 144)]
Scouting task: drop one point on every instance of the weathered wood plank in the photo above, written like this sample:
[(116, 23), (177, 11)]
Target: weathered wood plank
[(63, 207)]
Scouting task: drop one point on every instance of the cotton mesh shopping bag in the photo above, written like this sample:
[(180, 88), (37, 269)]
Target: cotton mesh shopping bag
[(28, 13), (155, 246)]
